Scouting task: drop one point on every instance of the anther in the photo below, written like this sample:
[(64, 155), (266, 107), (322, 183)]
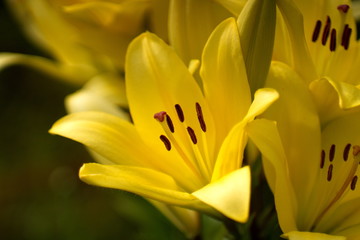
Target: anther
[(322, 159), (170, 123), (166, 142), (329, 173), (346, 152), (200, 117), (192, 135), (345, 40), (353, 182), (316, 32), (356, 150), (343, 8), (326, 31), (333, 40), (332, 153), (179, 112)]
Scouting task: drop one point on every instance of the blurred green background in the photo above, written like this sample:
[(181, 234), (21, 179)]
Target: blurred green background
[(41, 196)]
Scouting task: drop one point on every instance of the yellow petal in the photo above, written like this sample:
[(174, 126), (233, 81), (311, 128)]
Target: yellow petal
[(257, 30), (73, 74), (110, 14), (109, 136), (263, 98), (295, 129), (142, 181), (311, 236), (224, 78), (190, 24), (230, 195), (265, 136), (303, 64), (82, 101), (231, 153), (334, 99), (233, 6)]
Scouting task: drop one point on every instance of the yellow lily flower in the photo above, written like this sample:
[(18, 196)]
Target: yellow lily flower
[(325, 53), (91, 37), (313, 172), (185, 147), (85, 37)]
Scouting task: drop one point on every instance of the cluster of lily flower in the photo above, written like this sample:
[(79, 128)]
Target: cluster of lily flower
[(181, 98)]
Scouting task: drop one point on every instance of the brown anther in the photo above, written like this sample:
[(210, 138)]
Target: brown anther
[(343, 8), (322, 159), (346, 152), (192, 135), (326, 31), (345, 40), (353, 182), (200, 117), (316, 32), (160, 116), (166, 142), (356, 150), (333, 40), (332, 153), (180, 112), (170, 123), (329, 173)]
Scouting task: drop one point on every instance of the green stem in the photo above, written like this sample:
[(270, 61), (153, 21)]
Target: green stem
[(232, 228)]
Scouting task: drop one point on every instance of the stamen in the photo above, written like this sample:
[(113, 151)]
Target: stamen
[(316, 32), (356, 150), (333, 40), (166, 142), (170, 123), (329, 174), (180, 112), (200, 117), (343, 8), (332, 153), (353, 182), (192, 135), (326, 31), (345, 40), (346, 152), (322, 159), (160, 116)]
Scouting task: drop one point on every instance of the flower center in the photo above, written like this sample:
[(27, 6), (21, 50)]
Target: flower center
[(186, 142), (344, 179), (328, 31)]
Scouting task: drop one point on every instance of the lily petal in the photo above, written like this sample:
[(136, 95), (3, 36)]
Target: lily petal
[(224, 78), (333, 97), (109, 136), (265, 136), (190, 24), (142, 181), (295, 130), (230, 195), (311, 236), (294, 20), (74, 74)]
